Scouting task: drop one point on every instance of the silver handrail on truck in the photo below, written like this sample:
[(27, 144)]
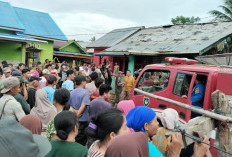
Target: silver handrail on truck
[(189, 107)]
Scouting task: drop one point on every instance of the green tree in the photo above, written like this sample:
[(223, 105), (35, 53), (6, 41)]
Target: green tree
[(185, 20), (93, 39), (226, 14)]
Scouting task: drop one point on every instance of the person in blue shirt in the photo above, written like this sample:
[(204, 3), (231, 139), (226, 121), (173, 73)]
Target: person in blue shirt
[(52, 81), (197, 95), (79, 101), (69, 84)]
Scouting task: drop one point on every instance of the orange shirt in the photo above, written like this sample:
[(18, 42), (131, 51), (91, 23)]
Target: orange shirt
[(129, 83)]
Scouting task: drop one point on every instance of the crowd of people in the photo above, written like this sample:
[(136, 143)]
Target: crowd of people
[(58, 110)]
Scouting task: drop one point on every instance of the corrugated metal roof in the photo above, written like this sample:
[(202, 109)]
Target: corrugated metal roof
[(18, 38), (109, 54), (83, 44), (114, 37), (39, 24), (58, 43), (176, 38), (8, 17)]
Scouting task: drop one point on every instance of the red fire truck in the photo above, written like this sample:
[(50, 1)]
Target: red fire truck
[(176, 80)]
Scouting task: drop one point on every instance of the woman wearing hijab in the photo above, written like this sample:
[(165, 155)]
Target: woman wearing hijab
[(125, 106), (128, 145), (144, 119), (43, 107), (170, 119), (32, 123)]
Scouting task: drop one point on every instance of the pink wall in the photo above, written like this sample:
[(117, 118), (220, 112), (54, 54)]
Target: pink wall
[(109, 59), (118, 59), (96, 59)]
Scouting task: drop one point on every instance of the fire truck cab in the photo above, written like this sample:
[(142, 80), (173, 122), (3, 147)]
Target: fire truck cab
[(176, 80)]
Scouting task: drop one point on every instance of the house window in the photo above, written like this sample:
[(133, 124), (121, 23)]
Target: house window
[(153, 81)]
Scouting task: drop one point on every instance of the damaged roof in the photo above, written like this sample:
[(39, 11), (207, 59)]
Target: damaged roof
[(114, 37), (196, 38)]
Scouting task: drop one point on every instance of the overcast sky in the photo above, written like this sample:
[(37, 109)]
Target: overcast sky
[(79, 17)]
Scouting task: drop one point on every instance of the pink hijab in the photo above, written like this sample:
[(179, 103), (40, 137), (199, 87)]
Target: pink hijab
[(125, 106)]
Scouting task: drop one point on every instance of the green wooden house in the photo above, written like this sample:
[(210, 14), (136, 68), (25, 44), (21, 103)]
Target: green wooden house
[(27, 36), (71, 50)]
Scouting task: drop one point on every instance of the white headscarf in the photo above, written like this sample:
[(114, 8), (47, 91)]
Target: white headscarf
[(170, 118), (43, 108)]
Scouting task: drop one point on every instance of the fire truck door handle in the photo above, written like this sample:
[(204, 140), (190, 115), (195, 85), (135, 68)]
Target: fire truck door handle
[(182, 115), (162, 106)]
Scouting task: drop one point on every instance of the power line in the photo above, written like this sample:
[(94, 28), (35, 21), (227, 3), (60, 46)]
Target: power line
[(206, 17)]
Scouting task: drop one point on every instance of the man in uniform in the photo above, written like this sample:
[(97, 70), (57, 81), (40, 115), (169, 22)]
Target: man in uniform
[(118, 86), (197, 95)]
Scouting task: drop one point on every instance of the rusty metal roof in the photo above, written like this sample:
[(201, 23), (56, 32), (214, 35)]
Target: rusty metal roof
[(197, 38), (114, 37)]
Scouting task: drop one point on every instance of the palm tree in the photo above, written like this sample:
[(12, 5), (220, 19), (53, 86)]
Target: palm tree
[(226, 15)]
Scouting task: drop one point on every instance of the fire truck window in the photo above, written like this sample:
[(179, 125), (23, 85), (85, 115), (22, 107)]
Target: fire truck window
[(153, 81), (182, 83)]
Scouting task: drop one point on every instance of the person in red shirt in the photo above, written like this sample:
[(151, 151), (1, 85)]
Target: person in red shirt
[(147, 80), (98, 83)]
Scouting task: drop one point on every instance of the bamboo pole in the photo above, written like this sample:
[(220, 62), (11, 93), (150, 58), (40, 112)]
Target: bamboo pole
[(189, 107)]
